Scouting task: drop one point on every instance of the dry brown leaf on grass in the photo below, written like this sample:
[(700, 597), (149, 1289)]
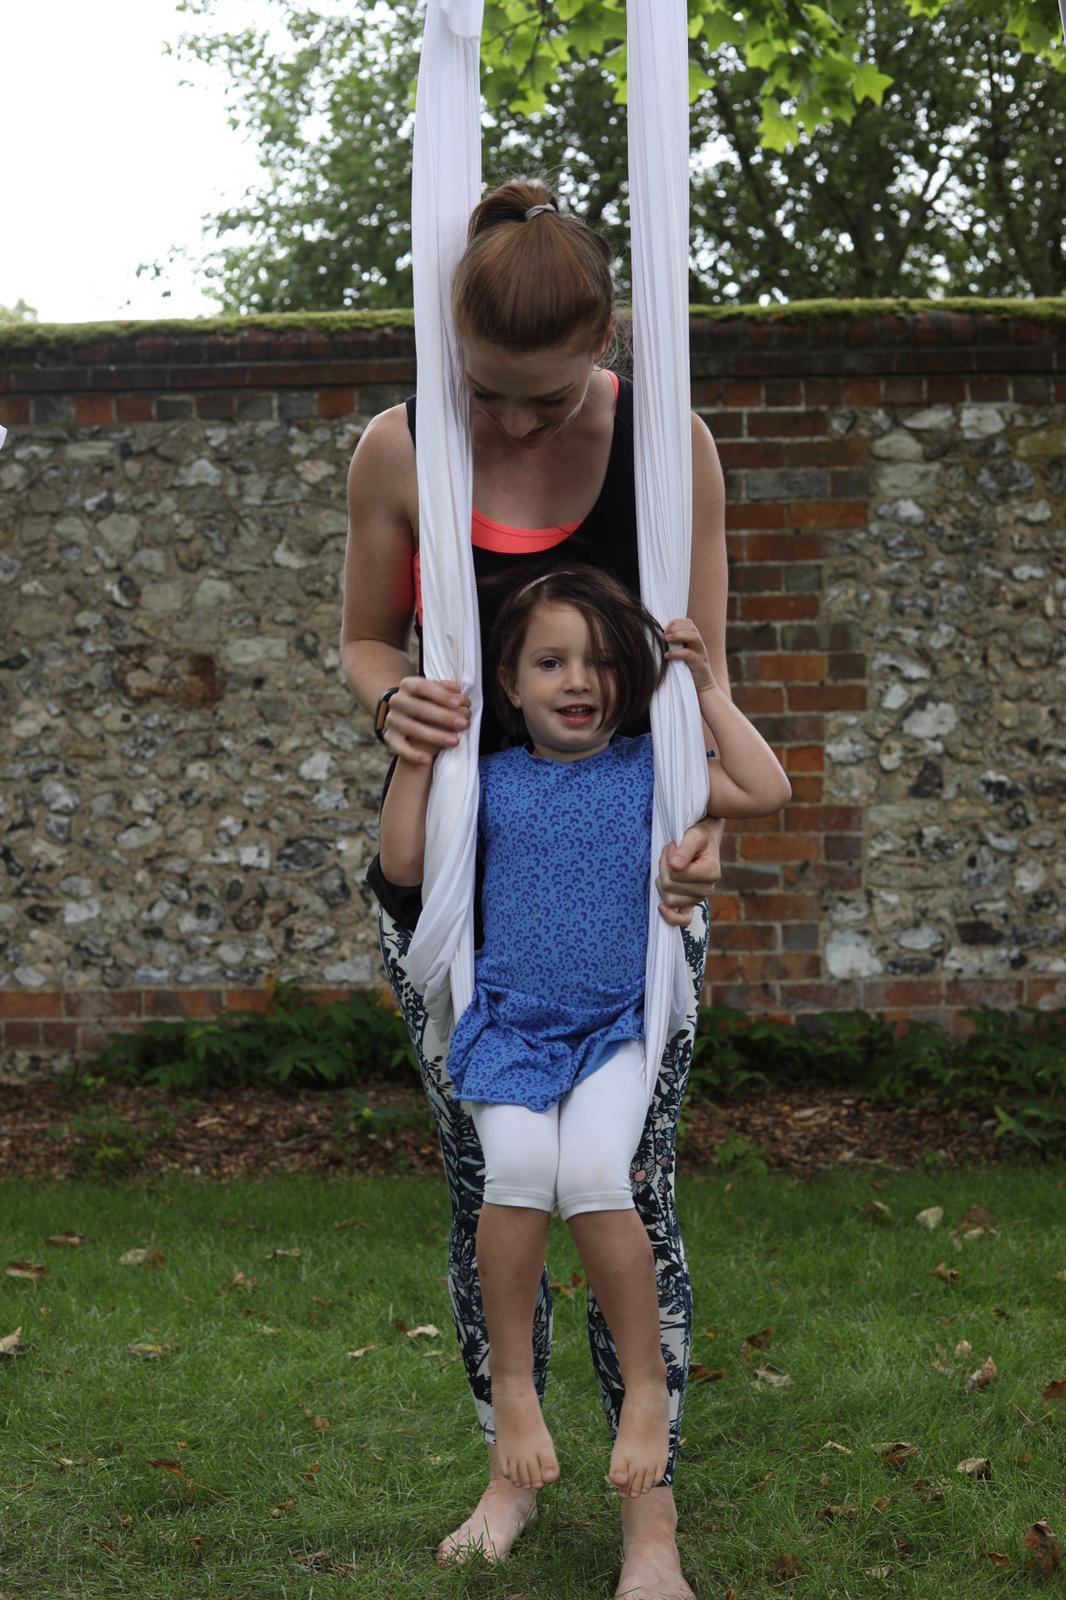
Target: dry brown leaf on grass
[(829, 1513), (757, 1341), (176, 1470), (767, 1373), (24, 1269), (10, 1342), (66, 1238), (975, 1467), (878, 1572), (280, 1510), (876, 1211), (930, 1218), (788, 1565), (963, 1348), (1043, 1548), (322, 1561), (996, 1557), (150, 1352), (569, 1288), (944, 1272), (981, 1378), (355, 1355), (927, 1490), (837, 1449), (295, 1254), (697, 1373), (757, 1488), (1055, 1394), (427, 1329), (897, 1454)]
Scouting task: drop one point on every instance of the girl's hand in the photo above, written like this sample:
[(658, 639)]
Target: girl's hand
[(424, 717), (685, 644)]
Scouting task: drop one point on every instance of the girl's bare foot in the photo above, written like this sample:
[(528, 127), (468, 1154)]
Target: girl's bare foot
[(524, 1450), (642, 1443), (493, 1526)]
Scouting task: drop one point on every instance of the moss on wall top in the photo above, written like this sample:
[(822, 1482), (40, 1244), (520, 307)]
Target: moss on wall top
[(22, 343)]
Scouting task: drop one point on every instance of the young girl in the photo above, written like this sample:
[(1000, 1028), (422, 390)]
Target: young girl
[(547, 1058)]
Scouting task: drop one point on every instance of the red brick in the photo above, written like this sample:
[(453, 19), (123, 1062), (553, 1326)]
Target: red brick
[(989, 389), (22, 1034), (725, 907), (827, 697), (13, 413), (1039, 990), (780, 847), (805, 758), (724, 424), (945, 391), (825, 453), (801, 424), (96, 1036), (863, 391), (135, 408), (783, 547), (747, 936), (102, 1003), (984, 991), (805, 790), (751, 453), (779, 607), (847, 666), (785, 668), (94, 408), (1060, 391), (843, 847), (823, 819), (247, 999), (741, 394), (745, 825), (821, 996), (784, 391), (901, 391), (823, 391), (878, 993), (24, 1004), (756, 578), (754, 514), (772, 966), (771, 907), (59, 1035), (336, 402), (761, 700), (828, 513), (182, 1002)]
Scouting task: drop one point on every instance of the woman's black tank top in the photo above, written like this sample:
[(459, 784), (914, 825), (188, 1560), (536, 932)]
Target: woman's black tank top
[(607, 538)]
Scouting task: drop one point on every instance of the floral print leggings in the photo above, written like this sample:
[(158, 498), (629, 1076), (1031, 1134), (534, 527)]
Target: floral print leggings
[(653, 1195)]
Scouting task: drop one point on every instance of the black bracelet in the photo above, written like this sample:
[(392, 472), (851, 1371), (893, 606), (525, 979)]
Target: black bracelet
[(380, 713)]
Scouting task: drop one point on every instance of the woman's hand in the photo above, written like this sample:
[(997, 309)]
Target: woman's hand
[(686, 644), (424, 717), (689, 871)]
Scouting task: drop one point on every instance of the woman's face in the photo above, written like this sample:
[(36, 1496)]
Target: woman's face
[(530, 397)]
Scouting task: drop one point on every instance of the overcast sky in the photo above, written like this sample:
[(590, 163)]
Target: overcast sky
[(106, 160)]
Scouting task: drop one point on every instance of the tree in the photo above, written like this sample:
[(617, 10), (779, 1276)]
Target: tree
[(19, 312), (902, 194)]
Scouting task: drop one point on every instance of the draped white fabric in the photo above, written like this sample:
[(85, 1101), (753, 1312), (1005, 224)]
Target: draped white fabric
[(658, 203), (445, 189), (446, 186)]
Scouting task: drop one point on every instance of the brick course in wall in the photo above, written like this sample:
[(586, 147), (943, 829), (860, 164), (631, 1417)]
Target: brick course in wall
[(812, 415)]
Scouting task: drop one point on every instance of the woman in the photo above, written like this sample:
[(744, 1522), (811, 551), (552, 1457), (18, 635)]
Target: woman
[(553, 482)]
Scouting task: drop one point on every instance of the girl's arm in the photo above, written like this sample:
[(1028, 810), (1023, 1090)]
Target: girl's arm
[(402, 837), (745, 777)]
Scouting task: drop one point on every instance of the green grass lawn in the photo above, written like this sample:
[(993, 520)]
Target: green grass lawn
[(372, 1460)]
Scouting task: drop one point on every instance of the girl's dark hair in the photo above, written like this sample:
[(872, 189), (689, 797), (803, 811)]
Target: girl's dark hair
[(621, 629), (531, 285)]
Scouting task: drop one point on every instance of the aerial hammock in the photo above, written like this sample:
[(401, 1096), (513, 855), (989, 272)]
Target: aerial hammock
[(445, 189)]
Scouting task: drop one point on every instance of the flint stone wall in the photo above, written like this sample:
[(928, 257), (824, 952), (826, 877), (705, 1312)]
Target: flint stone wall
[(188, 791)]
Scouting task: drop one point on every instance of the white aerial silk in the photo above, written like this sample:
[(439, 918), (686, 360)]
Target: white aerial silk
[(445, 189)]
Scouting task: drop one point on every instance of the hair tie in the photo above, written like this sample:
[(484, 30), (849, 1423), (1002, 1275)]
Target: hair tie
[(533, 211)]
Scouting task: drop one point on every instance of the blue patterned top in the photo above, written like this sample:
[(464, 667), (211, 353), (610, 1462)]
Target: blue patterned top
[(559, 979)]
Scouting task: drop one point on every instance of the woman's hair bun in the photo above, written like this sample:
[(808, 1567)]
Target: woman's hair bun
[(509, 203)]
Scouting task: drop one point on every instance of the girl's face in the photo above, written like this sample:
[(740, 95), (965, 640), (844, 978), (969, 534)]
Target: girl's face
[(563, 687), (530, 397)]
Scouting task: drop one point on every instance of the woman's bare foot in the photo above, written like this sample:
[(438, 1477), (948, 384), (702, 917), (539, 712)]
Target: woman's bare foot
[(651, 1566), (642, 1443), (493, 1526), (524, 1450)]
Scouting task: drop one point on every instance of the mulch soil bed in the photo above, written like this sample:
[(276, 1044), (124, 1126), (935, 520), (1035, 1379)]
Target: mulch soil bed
[(46, 1132)]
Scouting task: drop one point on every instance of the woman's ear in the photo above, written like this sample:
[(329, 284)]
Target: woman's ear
[(608, 338)]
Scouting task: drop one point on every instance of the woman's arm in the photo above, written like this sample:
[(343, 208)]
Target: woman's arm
[(378, 609), (690, 867)]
